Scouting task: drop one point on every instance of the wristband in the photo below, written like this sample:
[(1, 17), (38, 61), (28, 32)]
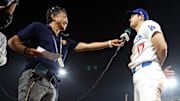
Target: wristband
[(110, 45), (25, 50)]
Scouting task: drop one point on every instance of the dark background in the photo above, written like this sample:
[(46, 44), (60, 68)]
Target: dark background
[(94, 20)]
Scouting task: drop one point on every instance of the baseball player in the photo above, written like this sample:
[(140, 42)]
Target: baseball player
[(148, 55)]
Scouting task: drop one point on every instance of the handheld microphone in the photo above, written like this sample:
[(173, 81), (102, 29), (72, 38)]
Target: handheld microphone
[(125, 35)]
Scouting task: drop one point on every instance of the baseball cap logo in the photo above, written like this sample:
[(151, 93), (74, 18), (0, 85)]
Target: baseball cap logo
[(139, 11)]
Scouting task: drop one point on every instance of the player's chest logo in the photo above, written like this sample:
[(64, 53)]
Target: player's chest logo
[(140, 47), (139, 37)]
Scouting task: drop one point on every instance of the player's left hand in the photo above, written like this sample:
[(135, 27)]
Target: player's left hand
[(117, 42), (169, 73)]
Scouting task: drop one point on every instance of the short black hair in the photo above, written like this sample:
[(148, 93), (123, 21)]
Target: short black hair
[(53, 10)]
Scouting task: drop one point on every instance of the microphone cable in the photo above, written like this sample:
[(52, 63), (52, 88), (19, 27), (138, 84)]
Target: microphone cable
[(101, 76)]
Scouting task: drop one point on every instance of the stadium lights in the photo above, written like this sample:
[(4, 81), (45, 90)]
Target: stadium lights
[(62, 72), (170, 82)]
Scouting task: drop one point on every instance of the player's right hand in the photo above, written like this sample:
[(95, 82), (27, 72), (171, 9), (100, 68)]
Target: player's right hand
[(32, 53), (169, 73)]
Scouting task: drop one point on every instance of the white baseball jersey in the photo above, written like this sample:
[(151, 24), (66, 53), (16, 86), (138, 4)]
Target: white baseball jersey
[(3, 52), (143, 50)]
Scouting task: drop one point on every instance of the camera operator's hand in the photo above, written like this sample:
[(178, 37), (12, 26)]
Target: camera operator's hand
[(10, 6)]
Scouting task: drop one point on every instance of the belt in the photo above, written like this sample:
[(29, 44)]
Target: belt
[(142, 65)]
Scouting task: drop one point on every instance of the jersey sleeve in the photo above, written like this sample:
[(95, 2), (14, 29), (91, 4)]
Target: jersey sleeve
[(151, 28)]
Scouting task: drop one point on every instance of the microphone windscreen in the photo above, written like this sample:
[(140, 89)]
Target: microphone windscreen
[(128, 30)]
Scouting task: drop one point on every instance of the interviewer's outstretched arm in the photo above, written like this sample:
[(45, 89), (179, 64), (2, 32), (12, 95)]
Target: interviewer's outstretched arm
[(98, 45)]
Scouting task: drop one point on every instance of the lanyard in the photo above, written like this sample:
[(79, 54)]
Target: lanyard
[(57, 46)]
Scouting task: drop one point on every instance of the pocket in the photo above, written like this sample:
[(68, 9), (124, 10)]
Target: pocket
[(25, 77)]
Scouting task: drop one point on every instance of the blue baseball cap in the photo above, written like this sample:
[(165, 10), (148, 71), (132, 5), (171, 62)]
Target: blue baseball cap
[(139, 11)]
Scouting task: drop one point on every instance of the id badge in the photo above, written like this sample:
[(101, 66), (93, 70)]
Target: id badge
[(60, 61)]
